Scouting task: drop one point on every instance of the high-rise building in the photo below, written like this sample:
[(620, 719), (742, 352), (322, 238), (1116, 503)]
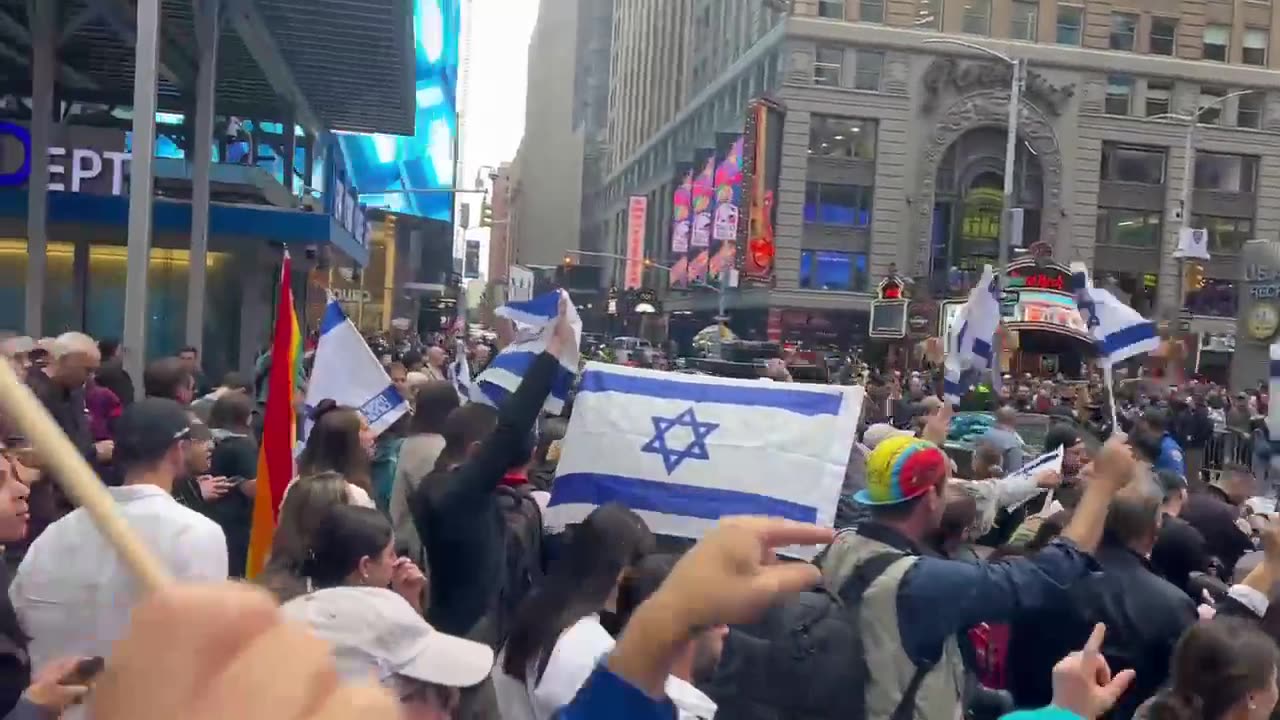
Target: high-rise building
[(499, 223), (894, 133)]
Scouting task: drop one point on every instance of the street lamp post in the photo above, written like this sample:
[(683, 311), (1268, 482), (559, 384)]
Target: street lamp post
[(1188, 176), (1009, 217)]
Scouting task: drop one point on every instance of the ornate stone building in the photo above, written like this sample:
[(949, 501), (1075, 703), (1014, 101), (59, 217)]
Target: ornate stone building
[(894, 147)]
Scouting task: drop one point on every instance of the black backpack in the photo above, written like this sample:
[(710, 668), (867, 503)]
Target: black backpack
[(522, 517), (804, 660)]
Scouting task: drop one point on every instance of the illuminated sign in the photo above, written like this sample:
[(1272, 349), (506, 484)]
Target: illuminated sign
[(1040, 281), (1047, 308), (412, 174), (637, 214), (85, 164)]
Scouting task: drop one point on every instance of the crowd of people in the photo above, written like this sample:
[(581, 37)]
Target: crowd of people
[(1126, 584)]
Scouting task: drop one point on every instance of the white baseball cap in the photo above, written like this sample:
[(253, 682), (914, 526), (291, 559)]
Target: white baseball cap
[(375, 630)]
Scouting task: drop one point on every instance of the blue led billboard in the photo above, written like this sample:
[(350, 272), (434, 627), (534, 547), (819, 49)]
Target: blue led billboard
[(380, 165)]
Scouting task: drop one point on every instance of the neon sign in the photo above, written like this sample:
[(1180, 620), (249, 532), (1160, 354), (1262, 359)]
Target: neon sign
[(1039, 278)]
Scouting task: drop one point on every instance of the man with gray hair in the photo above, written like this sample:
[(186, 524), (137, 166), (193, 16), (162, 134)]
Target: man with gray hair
[(1005, 438)]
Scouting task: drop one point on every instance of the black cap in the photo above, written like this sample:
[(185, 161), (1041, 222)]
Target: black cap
[(148, 428)]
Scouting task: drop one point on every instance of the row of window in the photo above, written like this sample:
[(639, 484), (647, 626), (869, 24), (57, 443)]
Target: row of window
[(1162, 34), (1120, 100), (829, 68), (1146, 166), (1142, 229), (842, 138)]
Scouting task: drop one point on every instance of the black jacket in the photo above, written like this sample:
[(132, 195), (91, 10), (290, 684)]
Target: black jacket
[(1145, 615), (1209, 512), (115, 378), (458, 516), (1178, 552)]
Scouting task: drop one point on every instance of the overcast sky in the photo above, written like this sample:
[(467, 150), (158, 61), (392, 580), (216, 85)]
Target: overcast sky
[(500, 31)]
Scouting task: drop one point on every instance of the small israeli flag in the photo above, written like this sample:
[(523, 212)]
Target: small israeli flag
[(535, 321), (1119, 332), (459, 372), (684, 450), (347, 372), (971, 337)]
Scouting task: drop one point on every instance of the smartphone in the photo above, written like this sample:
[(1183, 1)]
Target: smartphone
[(235, 480), (84, 672)]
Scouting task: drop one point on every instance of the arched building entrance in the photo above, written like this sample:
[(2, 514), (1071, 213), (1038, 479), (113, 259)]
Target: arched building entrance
[(962, 180)]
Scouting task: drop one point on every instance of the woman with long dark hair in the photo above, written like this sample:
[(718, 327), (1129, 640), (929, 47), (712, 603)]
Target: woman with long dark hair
[(306, 504), (557, 639), (1222, 669), (354, 546), (340, 441)]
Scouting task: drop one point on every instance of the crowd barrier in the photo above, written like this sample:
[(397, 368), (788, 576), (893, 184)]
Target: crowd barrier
[(1226, 447)]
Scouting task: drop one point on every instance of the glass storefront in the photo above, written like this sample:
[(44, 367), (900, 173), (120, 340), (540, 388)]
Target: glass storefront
[(97, 306)]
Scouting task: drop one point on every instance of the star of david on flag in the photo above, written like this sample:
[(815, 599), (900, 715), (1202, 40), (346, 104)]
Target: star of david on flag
[(696, 449), (683, 451)]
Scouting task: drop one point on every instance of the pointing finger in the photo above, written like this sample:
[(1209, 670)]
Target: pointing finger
[(1094, 643)]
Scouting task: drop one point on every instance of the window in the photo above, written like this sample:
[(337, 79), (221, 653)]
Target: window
[(1163, 36), (828, 66), (1137, 290), (1249, 110), (1226, 235), (1216, 298), (1225, 173), (867, 69), (871, 11), (1119, 94), (1023, 25), (977, 17), (1158, 94), (1070, 20), (830, 270), (1253, 50), (844, 205), (1124, 30), (1132, 163), (844, 138), (1211, 101), (1217, 38), (1128, 228), (831, 9), (928, 15)]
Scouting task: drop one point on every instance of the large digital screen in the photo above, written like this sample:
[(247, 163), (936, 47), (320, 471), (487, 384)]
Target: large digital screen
[(387, 170)]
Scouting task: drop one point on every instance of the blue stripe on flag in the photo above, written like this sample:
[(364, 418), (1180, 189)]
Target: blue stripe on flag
[(780, 397), (518, 363), (671, 498), (539, 310), (333, 317), (1275, 368), (951, 387), (982, 349), (381, 404), (1127, 337)]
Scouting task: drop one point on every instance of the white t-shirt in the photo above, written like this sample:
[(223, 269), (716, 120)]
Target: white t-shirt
[(575, 656)]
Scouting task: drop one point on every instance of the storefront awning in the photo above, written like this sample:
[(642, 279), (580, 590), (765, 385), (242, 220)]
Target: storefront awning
[(291, 227)]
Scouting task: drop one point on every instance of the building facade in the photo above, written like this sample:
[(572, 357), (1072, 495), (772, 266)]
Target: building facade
[(893, 147), (500, 227)]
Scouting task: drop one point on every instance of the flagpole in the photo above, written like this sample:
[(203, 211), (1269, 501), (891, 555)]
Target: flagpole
[(1111, 394)]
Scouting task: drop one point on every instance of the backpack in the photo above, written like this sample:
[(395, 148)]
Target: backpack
[(805, 660), (522, 518)]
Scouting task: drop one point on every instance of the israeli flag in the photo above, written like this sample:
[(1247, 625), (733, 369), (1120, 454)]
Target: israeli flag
[(459, 372), (1119, 332), (971, 337), (1024, 478), (684, 450), (535, 321), (346, 371)]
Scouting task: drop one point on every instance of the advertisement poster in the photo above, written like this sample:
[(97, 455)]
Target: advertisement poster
[(704, 165), (762, 155), (724, 215), (637, 213), (681, 216)]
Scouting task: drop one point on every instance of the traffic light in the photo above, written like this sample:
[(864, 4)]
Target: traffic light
[(486, 214), (1195, 276)]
